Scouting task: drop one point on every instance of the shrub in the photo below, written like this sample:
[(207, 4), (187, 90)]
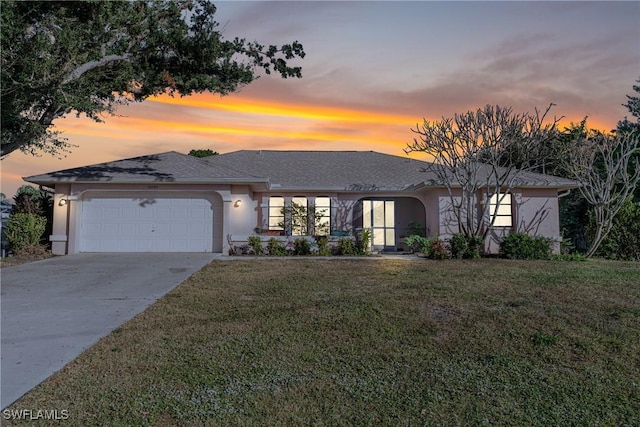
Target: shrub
[(276, 247), (301, 246), (255, 242), (23, 232), (345, 246), (363, 242), (323, 246), (437, 249), (623, 241), (418, 243), (465, 247), (523, 246)]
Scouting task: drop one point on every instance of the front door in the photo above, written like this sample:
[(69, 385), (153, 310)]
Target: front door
[(379, 216)]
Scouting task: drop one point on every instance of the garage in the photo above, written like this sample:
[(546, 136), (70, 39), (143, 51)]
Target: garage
[(145, 222)]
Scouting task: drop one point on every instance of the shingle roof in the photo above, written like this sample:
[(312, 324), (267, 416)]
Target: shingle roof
[(285, 170), (337, 170), (163, 167)]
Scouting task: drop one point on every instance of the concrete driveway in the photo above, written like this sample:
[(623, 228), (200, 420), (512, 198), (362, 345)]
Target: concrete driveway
[(54, 309)]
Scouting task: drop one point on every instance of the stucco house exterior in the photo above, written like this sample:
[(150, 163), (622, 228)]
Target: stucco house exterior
[(171, 202)]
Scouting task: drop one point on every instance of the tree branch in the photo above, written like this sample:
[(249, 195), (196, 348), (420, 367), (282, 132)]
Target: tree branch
[(75, 74)]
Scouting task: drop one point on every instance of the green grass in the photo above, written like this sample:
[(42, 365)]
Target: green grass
[(369, 342)]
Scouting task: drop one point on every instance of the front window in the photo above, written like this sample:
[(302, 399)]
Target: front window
[(500, 210), (299, 216), (322, 218), (276, 213)]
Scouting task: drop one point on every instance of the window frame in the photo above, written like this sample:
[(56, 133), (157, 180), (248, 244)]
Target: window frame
[(326, 231), (498, 213), (298, 229), (278, 215)]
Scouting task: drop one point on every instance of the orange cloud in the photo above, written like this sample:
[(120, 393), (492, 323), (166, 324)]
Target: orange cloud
[(260, 107), (249, 123)]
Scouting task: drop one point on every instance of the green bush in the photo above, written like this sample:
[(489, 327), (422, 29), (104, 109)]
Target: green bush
[(418, 243), (301, 246), (323, 246), (23, 232), (437, 249), (623, 241), (523, 246), (276, 247), (345, 246), (363, 242), (465, 247), (255, 242)]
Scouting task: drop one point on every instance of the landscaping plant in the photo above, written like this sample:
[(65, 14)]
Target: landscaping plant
[(523, 246), (255, 243), (464, 246), (276, 247), (24, 231)]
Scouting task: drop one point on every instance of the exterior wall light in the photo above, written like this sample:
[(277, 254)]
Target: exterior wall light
[(237, 203), (66, 199)]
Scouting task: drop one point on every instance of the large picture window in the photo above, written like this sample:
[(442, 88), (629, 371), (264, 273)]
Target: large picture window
[(300, 216), (502, 214)]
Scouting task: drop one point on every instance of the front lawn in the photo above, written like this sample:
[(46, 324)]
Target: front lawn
[(369, 342)]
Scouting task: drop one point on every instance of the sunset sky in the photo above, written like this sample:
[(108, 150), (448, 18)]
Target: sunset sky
[(375, 69)]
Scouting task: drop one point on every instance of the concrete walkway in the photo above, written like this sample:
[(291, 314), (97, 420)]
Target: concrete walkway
[(54, 309)]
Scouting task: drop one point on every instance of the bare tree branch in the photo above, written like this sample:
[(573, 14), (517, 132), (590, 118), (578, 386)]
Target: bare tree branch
[(468, 154), (608, 170)]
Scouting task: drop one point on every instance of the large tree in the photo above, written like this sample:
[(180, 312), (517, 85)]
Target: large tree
[(88, 57), (607, 166), (479, 157)]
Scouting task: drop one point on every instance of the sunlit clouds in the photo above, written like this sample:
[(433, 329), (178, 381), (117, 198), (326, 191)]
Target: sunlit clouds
[(373, 71)]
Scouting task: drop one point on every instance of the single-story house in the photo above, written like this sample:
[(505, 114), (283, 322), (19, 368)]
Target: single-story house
[(171, 202)]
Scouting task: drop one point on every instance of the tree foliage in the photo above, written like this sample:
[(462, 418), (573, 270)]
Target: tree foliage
[(633, 105), (482, 153), (88, 57), (31, 200), (207, 152)]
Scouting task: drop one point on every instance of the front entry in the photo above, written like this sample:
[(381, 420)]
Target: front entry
[(379, 216)]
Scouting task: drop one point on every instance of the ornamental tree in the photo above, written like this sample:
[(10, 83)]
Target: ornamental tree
[(480, 155), (88, 57), (607, 166)]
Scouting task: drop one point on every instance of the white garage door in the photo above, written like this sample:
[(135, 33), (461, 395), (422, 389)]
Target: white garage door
[(144, 222)]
